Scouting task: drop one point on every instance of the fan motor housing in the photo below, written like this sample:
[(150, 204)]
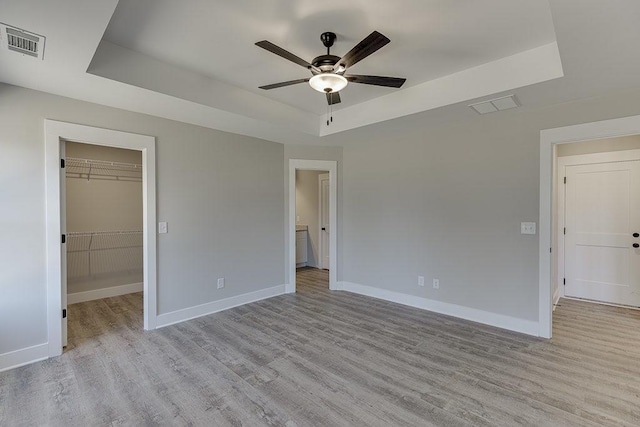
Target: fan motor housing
[(325, 62)]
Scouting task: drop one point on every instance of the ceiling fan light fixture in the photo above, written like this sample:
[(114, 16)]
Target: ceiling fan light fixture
[(328, 82)]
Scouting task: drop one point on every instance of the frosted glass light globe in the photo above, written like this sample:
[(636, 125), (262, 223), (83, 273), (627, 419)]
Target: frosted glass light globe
[(328, 82)]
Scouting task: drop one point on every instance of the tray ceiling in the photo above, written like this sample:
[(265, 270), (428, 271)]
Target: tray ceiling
[(429, 39), (195, 61)]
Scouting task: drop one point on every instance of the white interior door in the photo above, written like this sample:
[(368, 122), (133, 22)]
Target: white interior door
[(63, 252), (602, 218), (324, 221)]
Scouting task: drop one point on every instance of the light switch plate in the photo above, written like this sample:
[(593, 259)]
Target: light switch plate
[(527, 228), (221, 283), (163, 228)]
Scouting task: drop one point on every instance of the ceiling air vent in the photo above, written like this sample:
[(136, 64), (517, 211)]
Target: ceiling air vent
[(498, 104), (21, 41)]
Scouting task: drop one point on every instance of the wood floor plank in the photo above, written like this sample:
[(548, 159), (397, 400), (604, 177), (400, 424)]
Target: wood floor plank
[(321, 357)]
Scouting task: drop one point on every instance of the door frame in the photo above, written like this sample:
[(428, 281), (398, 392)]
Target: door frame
[(55, 132), (320, 239), (577, 160), (549, 139), (290, 230)]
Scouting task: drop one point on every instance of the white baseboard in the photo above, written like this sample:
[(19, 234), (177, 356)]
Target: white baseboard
[(113, 291), (178, 316), (590, 301), (528, 327), (15, 359)]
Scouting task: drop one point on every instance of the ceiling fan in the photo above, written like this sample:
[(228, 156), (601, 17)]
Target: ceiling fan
[(328, 71)]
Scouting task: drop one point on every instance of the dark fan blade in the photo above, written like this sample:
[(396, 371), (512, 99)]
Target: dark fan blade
[(283, 84), (333, 98), (285, 54), (366, 47), (376, 80)]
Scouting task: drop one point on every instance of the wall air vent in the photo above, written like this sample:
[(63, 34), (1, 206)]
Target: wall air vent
[(21, 41), (498, 104)]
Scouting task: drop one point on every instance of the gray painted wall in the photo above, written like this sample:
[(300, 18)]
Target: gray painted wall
[(446, 202), (622, 143), (222, 195), (442, 200), (100, 152)]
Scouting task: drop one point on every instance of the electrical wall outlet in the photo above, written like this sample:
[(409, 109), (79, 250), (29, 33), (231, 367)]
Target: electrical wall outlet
[(420, 280), (527, 228), (221, 283), (436, 283)]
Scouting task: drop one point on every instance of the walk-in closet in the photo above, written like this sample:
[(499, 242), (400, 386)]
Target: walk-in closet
[(104, 216)]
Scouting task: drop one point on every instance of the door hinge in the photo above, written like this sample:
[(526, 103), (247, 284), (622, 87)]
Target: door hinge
[(565, 230), (550, 250), (64, 313), (62, 163), (64, 238), (565, 179), (564, 281)]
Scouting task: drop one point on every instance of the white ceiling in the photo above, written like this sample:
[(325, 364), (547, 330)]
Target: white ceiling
[(429, 39), (453, 53)]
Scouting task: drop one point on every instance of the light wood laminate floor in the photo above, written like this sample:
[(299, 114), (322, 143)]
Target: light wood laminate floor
[(326, 358)]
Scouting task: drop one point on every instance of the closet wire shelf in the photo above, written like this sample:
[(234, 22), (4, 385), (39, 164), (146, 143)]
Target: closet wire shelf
[(103, 253), (100, 169)]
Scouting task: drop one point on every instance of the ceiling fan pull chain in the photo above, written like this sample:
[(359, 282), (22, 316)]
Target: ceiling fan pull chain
[(331, 107), (328, 114)]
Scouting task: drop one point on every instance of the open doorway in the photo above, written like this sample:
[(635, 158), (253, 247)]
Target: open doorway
[(103, 220), (551, 282), (597, 212), (312, 225), (57, 134)]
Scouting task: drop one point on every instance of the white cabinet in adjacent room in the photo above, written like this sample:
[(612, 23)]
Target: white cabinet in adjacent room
[(301, 248)]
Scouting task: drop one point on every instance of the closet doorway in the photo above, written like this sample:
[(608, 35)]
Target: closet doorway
[(57, 135), (104, 239)]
